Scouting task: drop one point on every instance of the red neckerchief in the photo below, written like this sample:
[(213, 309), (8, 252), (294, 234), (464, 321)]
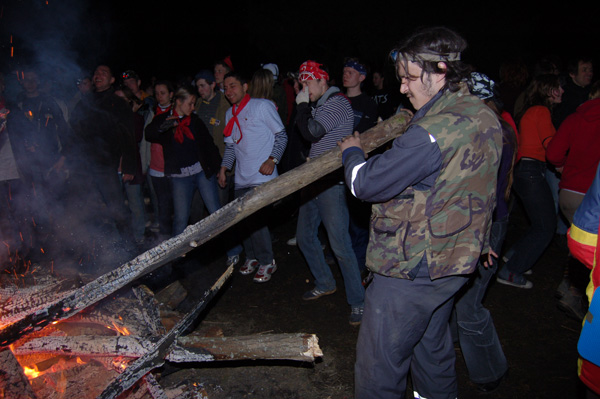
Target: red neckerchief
[(235, 111), (160, 110), (183, 128)]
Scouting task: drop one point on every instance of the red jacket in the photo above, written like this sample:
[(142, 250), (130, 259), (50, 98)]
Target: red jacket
[(576, 147)]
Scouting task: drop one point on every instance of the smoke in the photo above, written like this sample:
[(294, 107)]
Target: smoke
[(62, 38), (46, 216)]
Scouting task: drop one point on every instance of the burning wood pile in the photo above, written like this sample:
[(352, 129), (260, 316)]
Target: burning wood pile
[(111, 348), (60, 339)]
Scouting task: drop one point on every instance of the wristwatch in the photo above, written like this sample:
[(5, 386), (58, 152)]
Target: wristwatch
[(275, 160)]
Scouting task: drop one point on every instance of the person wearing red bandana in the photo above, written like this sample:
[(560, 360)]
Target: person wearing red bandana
[(191, 158), (324, 117), (255, 140)]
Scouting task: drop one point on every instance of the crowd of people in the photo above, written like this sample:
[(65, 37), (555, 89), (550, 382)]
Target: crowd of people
[(417, 230)]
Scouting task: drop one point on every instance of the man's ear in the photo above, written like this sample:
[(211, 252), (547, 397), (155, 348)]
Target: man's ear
[(245, 87), (112, 80), (442, 75), (442, 65), (361, 78)]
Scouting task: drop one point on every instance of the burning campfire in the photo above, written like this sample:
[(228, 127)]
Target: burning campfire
[(111, 348)]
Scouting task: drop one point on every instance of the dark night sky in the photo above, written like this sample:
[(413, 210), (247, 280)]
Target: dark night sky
[(179, 38)]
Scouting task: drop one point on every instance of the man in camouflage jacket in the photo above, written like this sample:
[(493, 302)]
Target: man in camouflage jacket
[(433, 195)]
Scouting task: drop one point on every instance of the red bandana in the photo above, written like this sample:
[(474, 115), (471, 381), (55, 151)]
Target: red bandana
[(235, 111), (183, 128), (311, 70)]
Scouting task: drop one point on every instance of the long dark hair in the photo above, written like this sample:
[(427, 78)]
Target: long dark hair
[(539, 92), (439, 41)]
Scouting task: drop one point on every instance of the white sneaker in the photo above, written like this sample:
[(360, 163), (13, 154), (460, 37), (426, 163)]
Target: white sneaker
[(249, 266), (264, 272), (292, 241)]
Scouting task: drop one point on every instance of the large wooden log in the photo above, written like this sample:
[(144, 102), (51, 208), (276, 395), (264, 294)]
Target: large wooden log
[(197, 234), (298, 346)]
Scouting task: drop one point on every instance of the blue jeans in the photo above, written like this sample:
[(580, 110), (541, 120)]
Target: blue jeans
[(257, 243), (329, 207), (405, 327), (135, 199), (531, 187), (153, 197), (183, 193), (479, 341), (164, 202), (553, 179)]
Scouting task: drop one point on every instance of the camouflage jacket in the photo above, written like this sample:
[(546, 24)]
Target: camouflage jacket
[(448, 221)]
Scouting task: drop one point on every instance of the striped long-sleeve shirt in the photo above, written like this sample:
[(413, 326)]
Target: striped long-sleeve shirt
[(334, 112)]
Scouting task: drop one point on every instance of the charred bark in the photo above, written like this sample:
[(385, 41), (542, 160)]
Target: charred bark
[(155, 357), (13, 382)]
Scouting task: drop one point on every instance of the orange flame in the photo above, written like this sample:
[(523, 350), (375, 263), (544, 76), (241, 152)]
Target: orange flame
[(31, 372), (120, 330)]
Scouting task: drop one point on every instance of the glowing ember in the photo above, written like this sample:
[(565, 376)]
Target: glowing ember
[(31, 373), (120, 330)]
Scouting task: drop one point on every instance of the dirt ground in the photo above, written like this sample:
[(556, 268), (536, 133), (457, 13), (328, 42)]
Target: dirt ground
[(538, 339)]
